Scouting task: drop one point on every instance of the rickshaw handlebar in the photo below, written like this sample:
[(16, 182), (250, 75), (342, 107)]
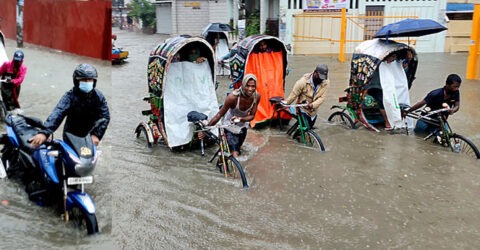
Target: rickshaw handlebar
[(204, 127), (294, 105), (418, 114)]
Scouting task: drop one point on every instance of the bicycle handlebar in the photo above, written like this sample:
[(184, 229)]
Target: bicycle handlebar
[(294, 105), (232, 127), (428, 114)]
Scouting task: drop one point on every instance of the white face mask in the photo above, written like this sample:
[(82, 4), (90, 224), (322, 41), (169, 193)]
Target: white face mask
[(85, 86)]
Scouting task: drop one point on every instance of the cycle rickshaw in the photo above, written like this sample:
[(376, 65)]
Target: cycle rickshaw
[(215, 34), (393, 79), (268, 65), (176, 86)]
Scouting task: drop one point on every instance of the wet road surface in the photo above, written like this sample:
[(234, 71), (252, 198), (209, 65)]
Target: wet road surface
[(24, 224), (369, 190)]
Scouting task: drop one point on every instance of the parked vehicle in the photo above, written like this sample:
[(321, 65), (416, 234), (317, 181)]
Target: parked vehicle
[(54, 174), (177, 84), (118, 54)]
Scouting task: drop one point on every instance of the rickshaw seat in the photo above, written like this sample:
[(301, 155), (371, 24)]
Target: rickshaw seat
[(275, 99)]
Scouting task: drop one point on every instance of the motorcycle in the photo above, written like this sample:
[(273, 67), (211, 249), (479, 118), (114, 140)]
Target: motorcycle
[(54, 173)]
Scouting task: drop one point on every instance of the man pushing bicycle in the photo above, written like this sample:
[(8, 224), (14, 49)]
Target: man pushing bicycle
[(312, 88), (435, 100), (239, 108)]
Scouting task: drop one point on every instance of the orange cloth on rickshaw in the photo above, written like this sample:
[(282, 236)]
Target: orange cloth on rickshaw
[(268, 68)]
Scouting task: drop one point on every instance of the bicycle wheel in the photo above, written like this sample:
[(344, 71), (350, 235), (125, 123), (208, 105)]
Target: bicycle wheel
[(313, 140), (342, 119), (141, 130), (462, 145), (235, 170)]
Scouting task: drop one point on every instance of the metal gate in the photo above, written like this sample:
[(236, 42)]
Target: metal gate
[(337, 33)]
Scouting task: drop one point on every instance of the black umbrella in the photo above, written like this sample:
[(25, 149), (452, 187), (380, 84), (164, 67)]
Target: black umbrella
[(410, 27), (216, 27)]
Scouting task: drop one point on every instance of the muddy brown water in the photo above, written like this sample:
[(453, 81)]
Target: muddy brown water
[(367, 191)]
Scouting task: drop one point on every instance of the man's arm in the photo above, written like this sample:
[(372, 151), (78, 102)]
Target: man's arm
[(21, 75), (3, 68), (230, 102), (53, 121), (296, 91), (99, 131), (58, 114), (417, 106), (455, 108)]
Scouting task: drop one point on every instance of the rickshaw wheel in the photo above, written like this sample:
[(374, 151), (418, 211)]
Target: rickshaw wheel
[(342, 119), (141, 130), (313, 140), (464, 146)]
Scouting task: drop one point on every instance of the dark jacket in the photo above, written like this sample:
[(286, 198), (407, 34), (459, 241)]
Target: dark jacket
[(82, 111)]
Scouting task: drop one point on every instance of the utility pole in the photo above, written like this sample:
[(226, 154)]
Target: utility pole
[(20, 4)]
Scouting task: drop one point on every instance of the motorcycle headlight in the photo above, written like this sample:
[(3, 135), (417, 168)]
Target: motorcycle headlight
[(85, 167)]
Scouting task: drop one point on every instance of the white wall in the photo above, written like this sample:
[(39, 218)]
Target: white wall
[(433, 9)]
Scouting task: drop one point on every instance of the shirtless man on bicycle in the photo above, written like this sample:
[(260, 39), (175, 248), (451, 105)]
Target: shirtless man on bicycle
[(448, 94), (312, 88), (239, 108)]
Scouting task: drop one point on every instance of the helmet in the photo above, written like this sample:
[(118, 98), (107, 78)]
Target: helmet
[(114, 37), (85, 70), (18, 56)]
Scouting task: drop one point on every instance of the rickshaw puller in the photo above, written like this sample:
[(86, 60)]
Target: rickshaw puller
[(312, 88), (241, 104), (449, 94)]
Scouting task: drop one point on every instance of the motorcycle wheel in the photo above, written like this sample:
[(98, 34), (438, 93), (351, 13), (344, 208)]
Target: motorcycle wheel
[(84, 220)]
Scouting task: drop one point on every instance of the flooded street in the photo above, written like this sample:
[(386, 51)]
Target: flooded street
[(368, 190), (24, 224)]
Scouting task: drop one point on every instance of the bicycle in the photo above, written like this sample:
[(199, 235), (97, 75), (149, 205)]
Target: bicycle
[(300, 130), (444, 134), (226, 162)]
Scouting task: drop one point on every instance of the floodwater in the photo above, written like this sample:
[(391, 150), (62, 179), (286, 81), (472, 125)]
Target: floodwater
[(367, 191), (25, 225)]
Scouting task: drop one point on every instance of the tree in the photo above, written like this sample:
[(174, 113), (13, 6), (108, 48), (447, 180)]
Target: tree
[(145, 11)]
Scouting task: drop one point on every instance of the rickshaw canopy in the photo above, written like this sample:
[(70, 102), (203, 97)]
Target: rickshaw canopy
[(177, 85), (270, 68), (369, 60)]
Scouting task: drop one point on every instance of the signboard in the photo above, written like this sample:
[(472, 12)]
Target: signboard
[(325, 4)]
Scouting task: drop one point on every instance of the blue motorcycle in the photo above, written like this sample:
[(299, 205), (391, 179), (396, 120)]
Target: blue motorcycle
[(55, 173)]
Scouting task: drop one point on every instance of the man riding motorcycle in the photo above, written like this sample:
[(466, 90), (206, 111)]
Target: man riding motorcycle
[(82, 106)]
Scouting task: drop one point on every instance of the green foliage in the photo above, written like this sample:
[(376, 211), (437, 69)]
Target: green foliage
[(253, 23), (143, 10)]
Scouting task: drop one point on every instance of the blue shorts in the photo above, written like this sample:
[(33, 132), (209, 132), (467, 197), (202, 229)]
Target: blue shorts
[(235, 141), (423, 127)]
